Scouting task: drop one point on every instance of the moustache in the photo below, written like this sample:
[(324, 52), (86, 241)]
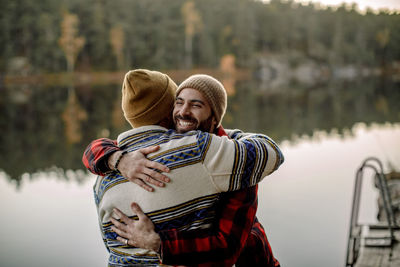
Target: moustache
[(186, 118)]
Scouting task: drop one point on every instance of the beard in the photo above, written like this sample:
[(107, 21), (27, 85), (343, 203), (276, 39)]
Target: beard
[(204, 126)]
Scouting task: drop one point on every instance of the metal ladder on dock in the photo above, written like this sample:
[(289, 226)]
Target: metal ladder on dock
[(355, 233)]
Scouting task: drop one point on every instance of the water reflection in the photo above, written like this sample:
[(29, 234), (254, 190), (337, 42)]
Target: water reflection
[(325, 131), (47, 127), (301, 110), (52, 222), (304, 206)]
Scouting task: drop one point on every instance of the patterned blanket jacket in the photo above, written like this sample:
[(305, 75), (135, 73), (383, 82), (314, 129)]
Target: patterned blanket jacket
[(202, 166)]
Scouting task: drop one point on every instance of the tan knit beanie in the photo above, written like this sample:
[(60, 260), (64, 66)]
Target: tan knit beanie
[(147, 97), (213, 91)]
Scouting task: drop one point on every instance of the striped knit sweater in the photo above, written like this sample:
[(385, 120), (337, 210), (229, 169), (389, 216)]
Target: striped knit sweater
[(202, 166)]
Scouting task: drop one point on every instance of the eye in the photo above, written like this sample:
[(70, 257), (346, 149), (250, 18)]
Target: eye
[(197, 105), (178, 102)]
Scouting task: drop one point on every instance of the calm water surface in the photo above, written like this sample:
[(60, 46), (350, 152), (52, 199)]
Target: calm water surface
[(304, 207), (47, 209)]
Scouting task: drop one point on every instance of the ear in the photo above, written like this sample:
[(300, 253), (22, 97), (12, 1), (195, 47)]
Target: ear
[(214, 123)]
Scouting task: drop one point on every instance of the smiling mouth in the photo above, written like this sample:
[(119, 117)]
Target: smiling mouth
[(186, 122)]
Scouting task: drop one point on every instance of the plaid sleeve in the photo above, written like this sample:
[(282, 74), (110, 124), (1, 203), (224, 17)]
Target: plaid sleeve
[(216, 247), (96, 155), (257, 252), (221, 131)]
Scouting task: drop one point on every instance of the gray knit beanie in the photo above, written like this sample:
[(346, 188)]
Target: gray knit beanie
[(213, 91)]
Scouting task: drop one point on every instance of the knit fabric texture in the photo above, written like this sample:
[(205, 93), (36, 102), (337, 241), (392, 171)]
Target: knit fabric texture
[(188, 203), (147, 97), (213, 91)]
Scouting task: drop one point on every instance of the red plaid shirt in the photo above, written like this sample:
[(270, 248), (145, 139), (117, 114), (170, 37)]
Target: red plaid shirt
[(237, 238)]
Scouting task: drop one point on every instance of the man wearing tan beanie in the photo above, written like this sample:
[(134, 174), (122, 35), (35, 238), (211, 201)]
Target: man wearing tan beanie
[(213, 92), (147, 97), (134, 105)]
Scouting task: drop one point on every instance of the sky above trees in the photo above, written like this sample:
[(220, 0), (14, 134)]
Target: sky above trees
[(362, 4)]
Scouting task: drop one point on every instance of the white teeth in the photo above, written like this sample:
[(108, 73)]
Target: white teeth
[(185, 123)]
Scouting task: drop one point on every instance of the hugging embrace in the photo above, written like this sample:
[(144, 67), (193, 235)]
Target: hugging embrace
[(178, 188)]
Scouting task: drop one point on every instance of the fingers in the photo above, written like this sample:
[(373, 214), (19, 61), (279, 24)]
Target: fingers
[(150, 171), (156, 166), (153, 178), (142, 171), (136, 209), (123, 240), (122, 216), (148, 177), (142, 184), (119, 228), (118, 225), (119, 231), (152, 164), (145, 177), (148, 150)]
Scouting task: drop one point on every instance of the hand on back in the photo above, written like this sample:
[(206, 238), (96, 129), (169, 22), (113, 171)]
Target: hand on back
[(135, 167)]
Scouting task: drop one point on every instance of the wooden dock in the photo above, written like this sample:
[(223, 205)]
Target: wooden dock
[(377, 245), (380, 255)]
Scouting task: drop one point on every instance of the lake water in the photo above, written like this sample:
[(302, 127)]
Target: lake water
[(47, 208), (306, 205)]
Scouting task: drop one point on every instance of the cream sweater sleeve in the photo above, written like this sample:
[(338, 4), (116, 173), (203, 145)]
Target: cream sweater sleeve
[(241, 162)]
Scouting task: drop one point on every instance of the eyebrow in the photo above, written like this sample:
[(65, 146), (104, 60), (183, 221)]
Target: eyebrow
[(191, 100)]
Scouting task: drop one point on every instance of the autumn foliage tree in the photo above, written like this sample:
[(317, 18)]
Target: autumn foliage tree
[(187, 33), (117, 40), (69, 41), (193, 24)]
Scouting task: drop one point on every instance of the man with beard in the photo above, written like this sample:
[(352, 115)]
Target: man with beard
[(198, 106)]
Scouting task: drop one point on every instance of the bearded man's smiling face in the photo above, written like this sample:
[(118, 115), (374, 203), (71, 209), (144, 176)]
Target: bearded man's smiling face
[(192, 112)]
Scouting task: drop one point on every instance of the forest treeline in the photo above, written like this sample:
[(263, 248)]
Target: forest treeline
[(54, 125), (101, 35)]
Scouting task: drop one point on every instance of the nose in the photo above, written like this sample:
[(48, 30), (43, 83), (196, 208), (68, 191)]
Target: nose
[(185, 110)]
